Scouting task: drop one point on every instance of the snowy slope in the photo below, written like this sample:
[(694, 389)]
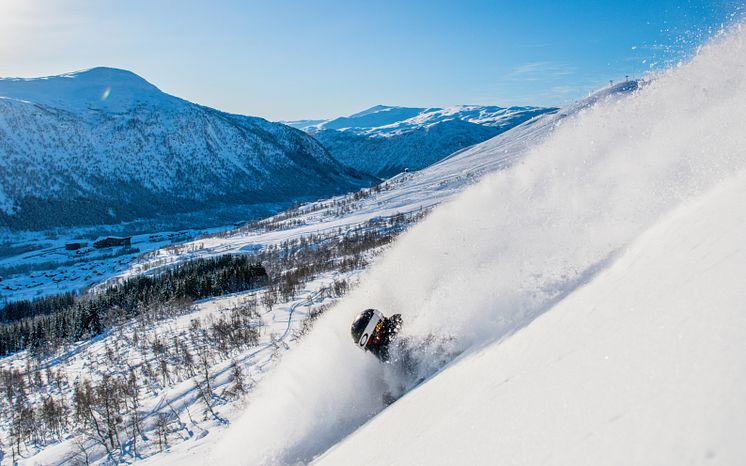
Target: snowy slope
[(605, 232), (104, 146), (384, 140), (643, 365)]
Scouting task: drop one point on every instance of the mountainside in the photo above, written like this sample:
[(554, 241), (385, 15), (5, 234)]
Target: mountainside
[(383, 140), (104, 146), (584, 304)]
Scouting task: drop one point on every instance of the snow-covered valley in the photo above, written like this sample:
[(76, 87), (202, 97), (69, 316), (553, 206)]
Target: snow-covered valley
[(43, 266)]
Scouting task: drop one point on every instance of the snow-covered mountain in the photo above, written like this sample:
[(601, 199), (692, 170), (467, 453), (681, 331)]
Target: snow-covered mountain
[(105, 146), (384, 140), (378, 115)]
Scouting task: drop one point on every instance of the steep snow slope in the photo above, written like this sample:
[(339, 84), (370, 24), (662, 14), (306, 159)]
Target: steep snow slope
[(643, 365), (104, 146), (385, 140), (485, 265)]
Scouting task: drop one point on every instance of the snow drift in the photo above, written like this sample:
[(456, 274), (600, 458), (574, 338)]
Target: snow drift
[(486, 264)]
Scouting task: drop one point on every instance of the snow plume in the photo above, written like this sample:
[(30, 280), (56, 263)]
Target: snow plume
[(486, 264)]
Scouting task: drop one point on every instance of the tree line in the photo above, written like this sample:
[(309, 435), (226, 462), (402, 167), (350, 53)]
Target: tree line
[(40, 406), (45, 324)]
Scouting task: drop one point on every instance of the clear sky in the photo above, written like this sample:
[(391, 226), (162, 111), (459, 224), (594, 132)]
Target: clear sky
[(283, 59)]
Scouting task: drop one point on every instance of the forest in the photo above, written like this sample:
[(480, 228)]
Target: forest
[(43, 325)]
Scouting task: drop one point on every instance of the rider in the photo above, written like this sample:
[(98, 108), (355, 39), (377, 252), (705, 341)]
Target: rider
[(372, 331)]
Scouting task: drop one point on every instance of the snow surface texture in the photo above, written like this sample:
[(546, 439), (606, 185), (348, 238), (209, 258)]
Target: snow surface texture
[(383, 140), (524, 239), (642, 366), (103, 146)]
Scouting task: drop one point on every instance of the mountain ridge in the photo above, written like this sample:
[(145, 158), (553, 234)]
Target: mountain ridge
[(110, 142), (385, 140)]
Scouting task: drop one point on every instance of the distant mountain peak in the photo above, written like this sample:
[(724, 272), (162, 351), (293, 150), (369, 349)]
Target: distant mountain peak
[(384, 140), (111, 76), (95, 88)]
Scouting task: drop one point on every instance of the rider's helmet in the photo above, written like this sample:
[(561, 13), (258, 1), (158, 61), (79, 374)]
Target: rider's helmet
[(365, 326)]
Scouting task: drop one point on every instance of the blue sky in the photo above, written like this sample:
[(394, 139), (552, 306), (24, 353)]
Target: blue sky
[(320, 58)]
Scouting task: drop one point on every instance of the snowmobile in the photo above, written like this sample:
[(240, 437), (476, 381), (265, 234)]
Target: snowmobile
[(404, 366), (372, 331)]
